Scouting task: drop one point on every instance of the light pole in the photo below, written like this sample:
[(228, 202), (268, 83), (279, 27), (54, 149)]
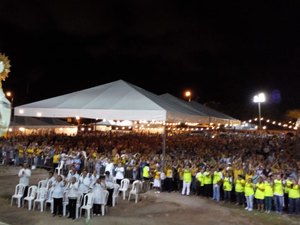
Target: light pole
[(9, 95), (188, 94), (259, 99)]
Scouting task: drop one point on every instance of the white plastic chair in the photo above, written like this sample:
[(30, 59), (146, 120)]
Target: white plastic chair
[(59, 168), (124, 187), (19, 192), (87, 205), (136, 185), (78, 204), (105, 194), (115, 195), (40, 198), (49, 200), (32, 190), (42, 184), (65, 203)]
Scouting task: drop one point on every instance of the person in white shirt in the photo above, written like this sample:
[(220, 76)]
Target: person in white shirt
[(119, 173), (109, 181), (50, 179), (25, 174), (109, 166), (73, 193), (97, 191), (84, 182), (58, 194)]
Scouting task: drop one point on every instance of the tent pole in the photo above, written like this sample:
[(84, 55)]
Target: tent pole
[(163, 146)]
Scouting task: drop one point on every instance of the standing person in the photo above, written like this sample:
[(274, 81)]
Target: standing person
[(157, 181), (239, 190), (187, 180), (249, 193), (109, 182), (260, 194), (278, 194), (146, 175), (207, 183), (119, 170), (72, 196), (268, 194), (25, 174), (97, 191), (227, 186), (169, 178), (217, 181), (58, 194), (294, 197)]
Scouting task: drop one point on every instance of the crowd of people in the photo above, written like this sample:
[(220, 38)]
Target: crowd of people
[(254, 170)]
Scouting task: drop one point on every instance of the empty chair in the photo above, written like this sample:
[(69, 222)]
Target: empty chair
[(59, 168), (19, 192), (105, 194), (136, 185), (87, 205), (49, 201), (115, 195), (78, 204), (42, 184), (40, 198), (65, 203), (32, 190), (124, 187)]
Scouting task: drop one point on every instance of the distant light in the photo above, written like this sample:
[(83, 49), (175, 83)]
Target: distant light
[(77, 118), (39, 114), (22, 129), (259, 98), (21, 111)]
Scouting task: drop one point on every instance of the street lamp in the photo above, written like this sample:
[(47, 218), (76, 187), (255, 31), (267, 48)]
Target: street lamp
[(10, 96), (259, 99), (188, 94)]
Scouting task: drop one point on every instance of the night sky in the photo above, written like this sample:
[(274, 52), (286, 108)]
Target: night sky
[(224, 52)]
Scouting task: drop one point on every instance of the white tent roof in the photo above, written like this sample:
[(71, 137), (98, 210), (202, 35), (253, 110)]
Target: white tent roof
[(118, 100), (213, 115)]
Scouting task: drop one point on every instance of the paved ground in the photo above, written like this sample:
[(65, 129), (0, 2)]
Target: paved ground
[(163, 208)]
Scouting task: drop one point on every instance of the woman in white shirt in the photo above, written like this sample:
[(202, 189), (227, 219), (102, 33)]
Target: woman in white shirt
[(97, 190), (119, 173)]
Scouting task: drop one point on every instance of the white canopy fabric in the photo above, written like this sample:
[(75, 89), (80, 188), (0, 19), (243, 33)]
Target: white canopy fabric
[(213, 116), (118, 100)]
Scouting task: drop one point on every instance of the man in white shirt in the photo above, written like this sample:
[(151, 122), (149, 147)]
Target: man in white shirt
[(25, 174)]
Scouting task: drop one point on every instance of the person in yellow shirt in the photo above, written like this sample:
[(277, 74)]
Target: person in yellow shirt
[(200, 181), (187, 180), (217, 181), (227, 186), (294, 197), (249, 193), (169, 178), (207, 182), (157, 181), (268, 194), (278, 194), (260, 194), (239, 190)]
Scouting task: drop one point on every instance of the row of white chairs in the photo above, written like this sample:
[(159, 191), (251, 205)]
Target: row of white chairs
[(40, 196)]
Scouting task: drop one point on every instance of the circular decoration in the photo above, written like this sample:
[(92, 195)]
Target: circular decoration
[(4, 67)]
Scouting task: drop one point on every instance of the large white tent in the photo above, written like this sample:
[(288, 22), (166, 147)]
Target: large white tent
[(213, 116), (118, 100)]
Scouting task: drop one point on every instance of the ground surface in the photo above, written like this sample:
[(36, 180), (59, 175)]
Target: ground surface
[(163, 208)]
